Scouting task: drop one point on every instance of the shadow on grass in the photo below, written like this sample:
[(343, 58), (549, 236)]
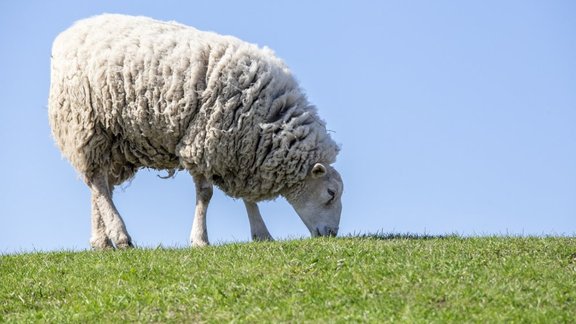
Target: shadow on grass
[(400, 236)]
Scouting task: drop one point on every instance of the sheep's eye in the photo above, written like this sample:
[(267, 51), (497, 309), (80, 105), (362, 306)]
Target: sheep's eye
[(332, 195)]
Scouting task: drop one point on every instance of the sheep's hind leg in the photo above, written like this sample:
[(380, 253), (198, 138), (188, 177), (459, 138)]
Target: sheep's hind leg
[(257, 226), (199, 233), (99, 240), (105, 216)]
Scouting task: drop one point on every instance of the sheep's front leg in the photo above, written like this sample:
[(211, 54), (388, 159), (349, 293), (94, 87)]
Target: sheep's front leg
[(199, 234), (105, 216), (257, 227)]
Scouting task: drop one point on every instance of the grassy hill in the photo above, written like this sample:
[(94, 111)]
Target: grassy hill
[(373, 279)]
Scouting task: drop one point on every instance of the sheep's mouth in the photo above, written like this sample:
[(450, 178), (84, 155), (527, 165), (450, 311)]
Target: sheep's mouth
[(329, 232)]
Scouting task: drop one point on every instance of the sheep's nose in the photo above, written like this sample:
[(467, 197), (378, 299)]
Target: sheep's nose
[(326, 231)]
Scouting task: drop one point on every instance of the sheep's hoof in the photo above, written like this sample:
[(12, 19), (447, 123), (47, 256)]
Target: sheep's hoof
[(101, 244), (124, 245), (262, 238), (197, 244)]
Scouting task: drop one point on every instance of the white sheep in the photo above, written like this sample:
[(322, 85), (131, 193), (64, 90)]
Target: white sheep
[(132, 92)]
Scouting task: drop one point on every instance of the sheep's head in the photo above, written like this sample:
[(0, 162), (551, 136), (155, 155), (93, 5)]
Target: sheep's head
[(317, 200)]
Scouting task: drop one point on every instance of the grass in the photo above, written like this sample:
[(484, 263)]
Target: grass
[(378, 278)]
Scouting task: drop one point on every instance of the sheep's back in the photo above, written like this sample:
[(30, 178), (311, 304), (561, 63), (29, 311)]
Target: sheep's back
[(134, 81)]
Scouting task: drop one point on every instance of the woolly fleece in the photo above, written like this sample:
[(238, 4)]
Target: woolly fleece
[(132, 92)]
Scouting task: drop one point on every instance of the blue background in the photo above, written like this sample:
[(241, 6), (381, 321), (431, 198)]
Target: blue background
[(454, 117)]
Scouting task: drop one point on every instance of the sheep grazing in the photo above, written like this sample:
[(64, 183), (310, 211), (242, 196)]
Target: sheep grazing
[(132, 92)]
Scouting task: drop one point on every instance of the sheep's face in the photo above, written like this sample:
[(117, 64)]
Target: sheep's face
[(318, 200)]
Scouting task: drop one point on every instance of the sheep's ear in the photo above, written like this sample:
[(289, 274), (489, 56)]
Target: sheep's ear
[(318, 171)]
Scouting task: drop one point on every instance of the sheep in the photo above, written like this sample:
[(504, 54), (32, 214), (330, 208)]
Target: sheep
[(132, 92)]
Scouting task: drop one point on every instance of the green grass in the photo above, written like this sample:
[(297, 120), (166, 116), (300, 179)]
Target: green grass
[(356, 279)]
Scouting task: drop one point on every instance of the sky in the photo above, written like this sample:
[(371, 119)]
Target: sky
[(454, 117)]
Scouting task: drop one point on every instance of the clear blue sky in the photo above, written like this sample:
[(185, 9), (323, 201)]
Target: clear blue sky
[(454, 117)]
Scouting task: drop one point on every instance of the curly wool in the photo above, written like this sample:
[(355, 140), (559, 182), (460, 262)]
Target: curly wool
[(131, 92)]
